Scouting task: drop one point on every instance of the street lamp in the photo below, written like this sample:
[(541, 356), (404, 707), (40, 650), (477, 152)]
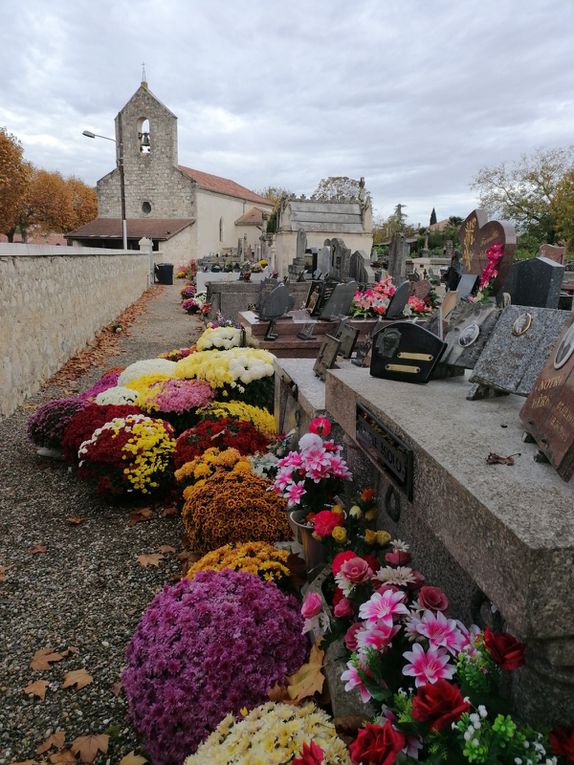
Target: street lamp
[(120, 160)]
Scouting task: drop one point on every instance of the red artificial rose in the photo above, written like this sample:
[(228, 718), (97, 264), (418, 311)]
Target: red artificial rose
[(439, 704), (562, 743), (398, 558), (373, 562), (433, 598), (338, 596), (350, 638), (377, 745), (419, 580), (340, 558), (505, 649), (356, 570), (321, 426), (324, 523), (311, 754)]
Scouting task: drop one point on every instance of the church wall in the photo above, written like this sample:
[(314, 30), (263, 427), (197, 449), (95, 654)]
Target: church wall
[(168, 191), (286, 245), (179, 249), (210, 209), (52, 303)]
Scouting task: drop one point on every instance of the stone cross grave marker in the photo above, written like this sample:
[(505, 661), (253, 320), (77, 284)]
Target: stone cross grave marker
[(548, 413), (398, 253), (517, 348), (476, 235), (535, 282), (398, 301), (469, 327), (405, 352), (341, 259), (339, 301), (301, 245)]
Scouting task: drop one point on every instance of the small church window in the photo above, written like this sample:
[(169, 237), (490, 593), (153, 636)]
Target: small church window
[(146, 208), (221, 229), (144, 137)]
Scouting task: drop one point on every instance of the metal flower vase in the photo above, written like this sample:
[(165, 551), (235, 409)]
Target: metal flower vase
[(314, 551)]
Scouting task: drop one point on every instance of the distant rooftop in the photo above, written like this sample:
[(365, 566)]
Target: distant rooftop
[(220, 185), (111, 228)]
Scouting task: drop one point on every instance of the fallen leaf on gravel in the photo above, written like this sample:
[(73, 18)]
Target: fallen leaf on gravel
[(166, 549), (149, 559), (78, 677), (3, 570), (71, 649), (132, 759), (169, 511), (37, 688), (64, 757), (309, 679), (75, 520), (43, 657), (496, 459), (55, 740), (117, 688), (25, 762), (88, 746), (37, 549), (140, 515)]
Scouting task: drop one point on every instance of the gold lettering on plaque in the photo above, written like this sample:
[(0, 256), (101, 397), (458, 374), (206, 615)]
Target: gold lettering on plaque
[(415, 356), (409, 370), (468, 241)]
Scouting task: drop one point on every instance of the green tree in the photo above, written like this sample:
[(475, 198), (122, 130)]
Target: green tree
[(432, 217), (523, 192), (15, 175), (563, 210)]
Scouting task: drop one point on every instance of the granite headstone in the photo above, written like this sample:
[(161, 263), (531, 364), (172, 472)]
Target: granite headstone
[(276, 304), (469, 327), (517, 348), (476, 235), (339, 302), (535, 282), (548, 413), (397, 303)]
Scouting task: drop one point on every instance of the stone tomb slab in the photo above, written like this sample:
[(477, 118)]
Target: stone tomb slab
[(470, 325), (548, 414), (535, 282), (518, 347), (405, 352)]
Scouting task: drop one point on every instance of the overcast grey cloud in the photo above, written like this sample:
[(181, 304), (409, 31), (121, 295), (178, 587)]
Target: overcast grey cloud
[(415, 95)]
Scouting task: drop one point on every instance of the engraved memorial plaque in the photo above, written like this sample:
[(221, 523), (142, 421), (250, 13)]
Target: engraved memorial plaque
[(339, 301), (327, 356), (406, 352), (476, 235), (348, 338), (548, 413), (470, 325)]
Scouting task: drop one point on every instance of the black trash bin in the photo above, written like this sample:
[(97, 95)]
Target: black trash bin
[(164, 273)]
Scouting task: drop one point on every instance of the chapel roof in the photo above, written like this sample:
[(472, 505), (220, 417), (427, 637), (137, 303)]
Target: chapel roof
[(253, 217), (226, 186), (111, 228)]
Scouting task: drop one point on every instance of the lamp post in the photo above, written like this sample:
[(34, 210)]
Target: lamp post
[(120, 161)]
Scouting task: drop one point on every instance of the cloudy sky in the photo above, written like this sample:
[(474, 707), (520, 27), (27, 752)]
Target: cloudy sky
[(415, 95)]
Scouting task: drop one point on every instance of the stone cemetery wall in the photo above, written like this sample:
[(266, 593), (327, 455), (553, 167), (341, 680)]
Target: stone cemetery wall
[(52, 301)]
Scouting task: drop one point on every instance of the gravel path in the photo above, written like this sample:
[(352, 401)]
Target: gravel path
[(87, 590)]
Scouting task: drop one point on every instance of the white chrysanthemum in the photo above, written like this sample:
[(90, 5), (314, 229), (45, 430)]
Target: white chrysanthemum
[(118, 395), (147, 367)]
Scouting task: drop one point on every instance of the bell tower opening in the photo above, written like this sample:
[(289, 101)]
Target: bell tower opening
[(144, 134)]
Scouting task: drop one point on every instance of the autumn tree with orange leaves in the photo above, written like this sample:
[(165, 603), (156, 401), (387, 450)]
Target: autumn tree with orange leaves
[(14, 182)]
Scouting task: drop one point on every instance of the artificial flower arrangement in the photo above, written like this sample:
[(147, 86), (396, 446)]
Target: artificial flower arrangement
[(129, 454), (374, 301), (312, 476), (220, 338), (485, 291), (83, 424), (206, 648), (175, 400), (223, 433), (177, 353), (209, 462), (46, 427), (233, 507), (145, 368), (274, 733), (197, 304), (433, 680), (262, 419), (259, 558)]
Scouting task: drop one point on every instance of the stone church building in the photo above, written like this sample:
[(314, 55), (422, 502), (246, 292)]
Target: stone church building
[(186, 213)]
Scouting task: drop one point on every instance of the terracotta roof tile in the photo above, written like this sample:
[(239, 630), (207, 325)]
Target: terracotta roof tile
[(223, 186), (111, 228), (253, 217)]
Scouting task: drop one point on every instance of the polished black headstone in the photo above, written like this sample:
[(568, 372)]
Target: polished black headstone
[(406, 352), (339, 302), (276, 304), (535, 282), (398, 301)]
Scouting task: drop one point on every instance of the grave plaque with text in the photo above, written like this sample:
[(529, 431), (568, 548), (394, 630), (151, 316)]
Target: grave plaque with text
[(517, 348), (470, 325), (548, 413), (406, 352), (477, 234), (327, 356)]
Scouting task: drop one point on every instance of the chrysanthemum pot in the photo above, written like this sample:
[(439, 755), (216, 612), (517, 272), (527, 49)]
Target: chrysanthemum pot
[(314, 551)]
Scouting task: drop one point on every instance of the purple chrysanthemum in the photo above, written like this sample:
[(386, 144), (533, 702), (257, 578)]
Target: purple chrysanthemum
[(204, 648), (108, 380), (47, 425)]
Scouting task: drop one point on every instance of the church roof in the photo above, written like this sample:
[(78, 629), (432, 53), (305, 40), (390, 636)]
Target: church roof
[(253, 217), (111, 228), (223, 186)]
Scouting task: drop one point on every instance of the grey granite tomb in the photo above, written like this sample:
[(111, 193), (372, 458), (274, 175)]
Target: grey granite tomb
[(535, 282)]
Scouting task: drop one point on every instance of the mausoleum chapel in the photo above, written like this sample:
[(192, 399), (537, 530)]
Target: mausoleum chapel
[(186, 213)]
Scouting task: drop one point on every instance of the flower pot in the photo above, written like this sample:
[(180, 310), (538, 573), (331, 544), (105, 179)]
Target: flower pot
[(314, 552)]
